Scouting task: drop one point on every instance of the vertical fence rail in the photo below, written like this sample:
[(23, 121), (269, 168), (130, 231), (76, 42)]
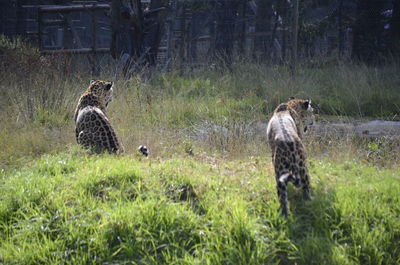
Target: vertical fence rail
[(94, 38), (40, 29), (295, 27), (65, 10)]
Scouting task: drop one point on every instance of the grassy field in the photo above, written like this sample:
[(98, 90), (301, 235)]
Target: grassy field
[(38, 96), (36, 110), (207, 193), (77, 209)]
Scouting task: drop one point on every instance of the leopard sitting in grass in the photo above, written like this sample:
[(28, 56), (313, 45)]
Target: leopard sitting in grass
[(93, 129), (285, 132)]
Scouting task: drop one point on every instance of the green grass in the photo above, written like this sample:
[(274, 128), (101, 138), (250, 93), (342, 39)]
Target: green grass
[(38, 95), (207, 194), (71, 208), (37, 110)]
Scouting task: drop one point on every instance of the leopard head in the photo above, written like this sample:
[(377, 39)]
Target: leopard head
[(102, 90), (304, 110)]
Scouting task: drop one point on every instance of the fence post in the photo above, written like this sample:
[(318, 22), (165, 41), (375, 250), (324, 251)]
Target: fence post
[(94, 37), (40, 29), (294, 36)]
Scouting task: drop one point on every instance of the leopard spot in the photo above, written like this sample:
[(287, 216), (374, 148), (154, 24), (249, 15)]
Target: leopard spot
[(291, 147)]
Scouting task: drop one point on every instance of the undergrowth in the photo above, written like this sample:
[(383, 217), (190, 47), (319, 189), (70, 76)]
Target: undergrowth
[(207, 109), (207, 193), (71, 208)]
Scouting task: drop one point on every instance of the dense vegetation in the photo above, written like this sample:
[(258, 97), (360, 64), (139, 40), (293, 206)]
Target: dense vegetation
[(80, 209), (207, 193), (39, 94)]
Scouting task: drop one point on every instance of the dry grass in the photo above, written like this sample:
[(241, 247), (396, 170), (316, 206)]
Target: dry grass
[(207, 193), (211, 111)]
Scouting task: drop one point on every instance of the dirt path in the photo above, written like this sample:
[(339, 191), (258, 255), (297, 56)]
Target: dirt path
[(247, 130), (365, 128)]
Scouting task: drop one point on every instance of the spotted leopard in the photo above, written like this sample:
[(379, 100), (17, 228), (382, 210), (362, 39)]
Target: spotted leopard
[(285, 132)]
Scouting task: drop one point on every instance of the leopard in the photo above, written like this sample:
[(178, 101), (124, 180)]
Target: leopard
[(285, 131), (93, 129)]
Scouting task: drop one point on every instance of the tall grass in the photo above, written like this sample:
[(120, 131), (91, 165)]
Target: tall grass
[(207, 193), (206, 110), (72, 208)]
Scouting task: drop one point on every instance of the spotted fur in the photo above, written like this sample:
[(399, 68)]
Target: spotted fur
[(285, 132), (93, 130)]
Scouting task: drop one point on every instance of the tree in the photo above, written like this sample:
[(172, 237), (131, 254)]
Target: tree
[(295, 27), (136, 34), (394, 41), (226, 12), (368, 30), (126, 28), (341, 28), (263, 28)]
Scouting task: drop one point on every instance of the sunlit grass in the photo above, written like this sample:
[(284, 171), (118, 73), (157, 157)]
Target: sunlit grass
[(37, 109), (74, 208), (207, 193)]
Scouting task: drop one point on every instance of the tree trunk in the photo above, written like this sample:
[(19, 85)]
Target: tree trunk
[(283, 10), (295, 27), (154, 21), (136, 34), (115, 27), (225, 30), (242, 33), (20, 25), (263, 29), (368, 31), (182, 41), (394, 41), (136, 29), (341, 28)]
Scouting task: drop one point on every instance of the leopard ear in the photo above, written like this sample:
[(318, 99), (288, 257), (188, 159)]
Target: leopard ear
[(291, 98), (306, 104), (92, 81), (109, 85)]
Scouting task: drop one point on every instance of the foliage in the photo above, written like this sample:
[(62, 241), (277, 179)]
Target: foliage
[(37, 110), (207, 194), (70, 208)]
